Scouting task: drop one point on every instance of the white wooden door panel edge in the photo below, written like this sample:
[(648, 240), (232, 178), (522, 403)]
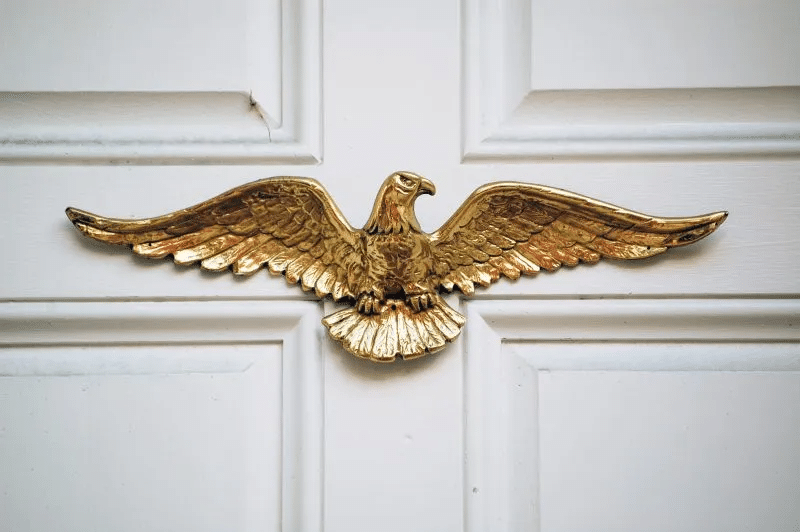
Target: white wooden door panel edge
[(642, 319), (69, 339), (505, 119), (276, 118), (510, 344)]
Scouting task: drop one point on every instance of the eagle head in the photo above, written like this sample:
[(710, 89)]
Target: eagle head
[(394, 206)]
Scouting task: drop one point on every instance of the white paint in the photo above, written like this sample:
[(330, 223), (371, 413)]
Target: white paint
[(393, 439), (515, 111), (187, 413), (530, 414), (632, 320), (259, 101), (640, 412), (131, 451), (148, 45), (712, 451), (623, 44)]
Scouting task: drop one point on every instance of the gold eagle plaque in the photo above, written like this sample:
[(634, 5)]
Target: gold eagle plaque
[(391, 271)]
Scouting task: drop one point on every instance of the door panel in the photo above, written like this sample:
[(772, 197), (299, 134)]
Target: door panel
[(687, 450), (166, 415), (161, 82), (131, 450), (615, 79), (630, 414), (131, 46), (618, 44)]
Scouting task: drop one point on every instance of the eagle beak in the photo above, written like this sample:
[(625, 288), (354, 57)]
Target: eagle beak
[(426, 187)]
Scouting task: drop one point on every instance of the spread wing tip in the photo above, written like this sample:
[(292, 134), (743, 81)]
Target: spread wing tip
[(77, 216), (707, 225), (716, 218), (93, 226), (111, 230)]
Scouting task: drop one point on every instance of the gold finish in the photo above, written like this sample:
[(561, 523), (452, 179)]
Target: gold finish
[(391, 271)]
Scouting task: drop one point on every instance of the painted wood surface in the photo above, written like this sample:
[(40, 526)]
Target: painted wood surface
[(654, 395)]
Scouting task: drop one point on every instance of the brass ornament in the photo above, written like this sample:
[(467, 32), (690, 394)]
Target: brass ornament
[(390, 271)]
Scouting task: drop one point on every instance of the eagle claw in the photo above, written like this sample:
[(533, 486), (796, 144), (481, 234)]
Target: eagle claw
[(420, 301), (368, 304)]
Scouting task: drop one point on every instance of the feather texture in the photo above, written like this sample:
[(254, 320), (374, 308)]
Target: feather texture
[(520, 228), (274, 222), (395, 330)]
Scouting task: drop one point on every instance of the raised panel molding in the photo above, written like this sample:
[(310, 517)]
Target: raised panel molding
[(501, 398), (277, 118), (504, 118), (34, 337)]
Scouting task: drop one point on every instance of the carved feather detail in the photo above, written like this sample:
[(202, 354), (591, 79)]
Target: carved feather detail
[(390, 270), (395, 330), (533, 227), (290, 225)]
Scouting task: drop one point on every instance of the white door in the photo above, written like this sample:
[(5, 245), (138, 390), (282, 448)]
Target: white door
[(654, 395)]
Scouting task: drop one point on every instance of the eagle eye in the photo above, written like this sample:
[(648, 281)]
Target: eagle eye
[(406, 181)]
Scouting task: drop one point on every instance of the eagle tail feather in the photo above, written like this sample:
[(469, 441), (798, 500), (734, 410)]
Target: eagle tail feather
[(396, 330)]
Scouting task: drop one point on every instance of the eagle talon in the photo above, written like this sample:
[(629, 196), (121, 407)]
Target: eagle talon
[(420, 302), (368, 304)]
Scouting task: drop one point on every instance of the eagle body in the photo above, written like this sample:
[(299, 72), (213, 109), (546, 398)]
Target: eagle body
[(391, 272), (397, 264)]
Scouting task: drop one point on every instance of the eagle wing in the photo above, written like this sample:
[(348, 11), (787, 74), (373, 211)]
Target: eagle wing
[(511, 228), (290, 224)]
